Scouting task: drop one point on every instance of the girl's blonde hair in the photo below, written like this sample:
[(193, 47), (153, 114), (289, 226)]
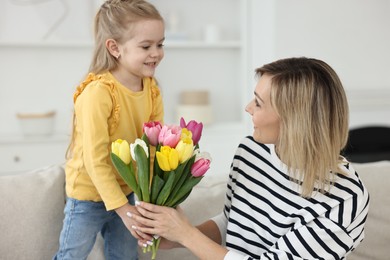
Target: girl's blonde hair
[(114, 20), (310, 100)]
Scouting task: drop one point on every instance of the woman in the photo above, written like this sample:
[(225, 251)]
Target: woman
[(290, 194)]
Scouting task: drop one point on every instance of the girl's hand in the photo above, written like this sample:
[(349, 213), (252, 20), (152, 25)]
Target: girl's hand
[(165, 222), (126, 213)]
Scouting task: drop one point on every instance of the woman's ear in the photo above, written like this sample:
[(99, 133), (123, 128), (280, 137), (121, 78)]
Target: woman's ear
[(113, 48)]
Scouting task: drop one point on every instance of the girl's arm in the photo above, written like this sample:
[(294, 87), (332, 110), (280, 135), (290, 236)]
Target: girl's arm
[(203, 241)]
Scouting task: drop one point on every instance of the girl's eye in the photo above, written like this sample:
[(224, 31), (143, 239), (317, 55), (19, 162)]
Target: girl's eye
[(145, 47), (257, 103), (160, 45)]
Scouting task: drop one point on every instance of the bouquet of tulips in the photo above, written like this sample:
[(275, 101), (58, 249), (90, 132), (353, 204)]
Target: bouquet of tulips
[(178, 166)]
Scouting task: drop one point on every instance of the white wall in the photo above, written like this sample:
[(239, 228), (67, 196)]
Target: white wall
[(353, 36), (39, 79), (39, 69), (39, 65)]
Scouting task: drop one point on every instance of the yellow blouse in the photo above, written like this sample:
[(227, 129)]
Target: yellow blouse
[(105, 111)]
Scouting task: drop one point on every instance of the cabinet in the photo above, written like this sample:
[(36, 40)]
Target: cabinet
[(18, 153)]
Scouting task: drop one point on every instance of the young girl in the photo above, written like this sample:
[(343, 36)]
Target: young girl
[(117, 97)]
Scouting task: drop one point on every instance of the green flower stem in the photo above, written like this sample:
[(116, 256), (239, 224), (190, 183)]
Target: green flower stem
[(156, 244)]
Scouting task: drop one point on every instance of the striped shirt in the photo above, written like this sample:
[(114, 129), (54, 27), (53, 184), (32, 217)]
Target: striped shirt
[(266, 218)]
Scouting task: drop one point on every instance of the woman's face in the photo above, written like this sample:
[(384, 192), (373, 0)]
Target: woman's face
[(266, 122)]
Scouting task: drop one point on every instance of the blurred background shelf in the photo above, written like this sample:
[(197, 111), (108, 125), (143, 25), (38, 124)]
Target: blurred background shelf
[(210, 45)]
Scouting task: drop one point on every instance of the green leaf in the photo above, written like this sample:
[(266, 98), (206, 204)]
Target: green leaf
[(180, 171), (127, 174), (166, 190), (145, 139), (165, 175), (143, 172), (182, 199), (187, 187), (156, 168), (157, 184), (183, 172)]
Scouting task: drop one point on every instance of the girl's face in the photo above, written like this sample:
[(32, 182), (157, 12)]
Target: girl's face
[(142, 53), (266, 122)]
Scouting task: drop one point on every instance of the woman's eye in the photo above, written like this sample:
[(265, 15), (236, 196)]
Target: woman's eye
[(257, 103), (145, 47), (160, 45)]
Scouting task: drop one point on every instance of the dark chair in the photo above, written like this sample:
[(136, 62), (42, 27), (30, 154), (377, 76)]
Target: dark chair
[(368, 144)]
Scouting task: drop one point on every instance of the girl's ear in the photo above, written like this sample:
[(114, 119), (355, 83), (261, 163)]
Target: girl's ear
[(113, 48)]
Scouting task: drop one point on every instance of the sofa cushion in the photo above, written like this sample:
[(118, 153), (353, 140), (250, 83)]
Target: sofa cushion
[(31, 213), (376, 177)]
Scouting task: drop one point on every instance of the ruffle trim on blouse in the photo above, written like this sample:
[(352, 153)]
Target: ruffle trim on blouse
[(111, 87), (154, 88), (155, 93)]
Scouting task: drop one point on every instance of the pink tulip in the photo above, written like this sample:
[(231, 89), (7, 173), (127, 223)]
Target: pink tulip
[(195, 127), (169, 135), (200, 167), (152, 131)]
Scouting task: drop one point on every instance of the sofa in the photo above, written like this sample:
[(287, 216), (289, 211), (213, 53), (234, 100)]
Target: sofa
[(31, 213)]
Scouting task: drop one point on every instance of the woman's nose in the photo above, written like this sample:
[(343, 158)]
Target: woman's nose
[(248, 108)]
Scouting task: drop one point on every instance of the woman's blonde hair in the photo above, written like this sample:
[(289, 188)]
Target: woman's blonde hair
[(310, 100), (114, 20)]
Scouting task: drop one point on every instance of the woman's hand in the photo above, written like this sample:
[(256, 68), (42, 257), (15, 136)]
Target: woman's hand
[(162, 221), (167, 244), (173, 225), (126, 213)]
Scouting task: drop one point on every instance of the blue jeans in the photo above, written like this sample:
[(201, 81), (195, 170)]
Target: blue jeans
[(83, 221)]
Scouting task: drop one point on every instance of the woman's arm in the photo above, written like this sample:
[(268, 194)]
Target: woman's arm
[(210, 229), (203, 241)]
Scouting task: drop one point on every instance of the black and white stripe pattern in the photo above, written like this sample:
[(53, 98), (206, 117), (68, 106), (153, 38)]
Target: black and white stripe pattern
[(268, 219)]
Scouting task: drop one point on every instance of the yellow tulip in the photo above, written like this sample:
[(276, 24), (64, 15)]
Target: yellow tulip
[(167, 158), (121, 149), (185, 148), (185, 133)]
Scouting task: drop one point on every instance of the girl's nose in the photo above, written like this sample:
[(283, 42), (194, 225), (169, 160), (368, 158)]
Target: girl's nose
[(156, 52), (153, 54)]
